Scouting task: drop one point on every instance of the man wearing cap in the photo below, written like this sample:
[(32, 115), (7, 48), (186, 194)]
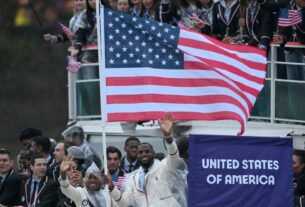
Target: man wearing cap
[(149, 185), (90, 195)]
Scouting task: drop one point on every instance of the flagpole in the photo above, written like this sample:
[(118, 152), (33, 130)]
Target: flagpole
[(101, 61)]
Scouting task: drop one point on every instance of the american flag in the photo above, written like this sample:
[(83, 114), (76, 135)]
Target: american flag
[(149, 68), (67, 31), (289, 17)]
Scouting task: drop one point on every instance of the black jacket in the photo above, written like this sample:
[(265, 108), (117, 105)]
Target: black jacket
[(222, 28), (9, 190), (47, 196), (259, 30)]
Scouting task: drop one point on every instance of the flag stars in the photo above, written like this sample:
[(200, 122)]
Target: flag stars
[(163, 50), (177, 62), (140, 26), (124, 49), (117, 31), (159, 34), (144, 55), (123, 25), (143, 44), (110, 13), (124, 37), (117, 19), (176, 51), (130, 31), (110, 25), (157, 56), (134, 19), (111, 49), (110, 37), (138, 61), (117, 43), (125, 61), (131, 55), (150, 38), (121, 16), (163, 62), (166, 30), (157, 44), (118, 55), (130, 43), (170, 57), (172, 37), (151, 62), (150, 50), (153, 28), (111, 61), (136, 37), (137, 49)]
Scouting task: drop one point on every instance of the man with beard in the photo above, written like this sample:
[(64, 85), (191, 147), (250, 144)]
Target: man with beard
[(149, 185)]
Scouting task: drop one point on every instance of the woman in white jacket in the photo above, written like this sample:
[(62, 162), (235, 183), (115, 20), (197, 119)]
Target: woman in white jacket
[(92, 194)]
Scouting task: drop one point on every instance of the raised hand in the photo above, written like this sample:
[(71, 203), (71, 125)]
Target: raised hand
[(166, 125), (66, 164)]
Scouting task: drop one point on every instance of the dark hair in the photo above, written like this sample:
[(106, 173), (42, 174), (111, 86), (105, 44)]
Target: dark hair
[(4, 151), (112, 149), (183, 145), (29, 133), (33, 158), (43, 142), (132, 138), (151, 147), (198, 4), (300, 154), (66, 145)]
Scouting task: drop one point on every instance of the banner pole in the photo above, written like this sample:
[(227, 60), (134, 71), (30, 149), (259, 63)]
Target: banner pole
[(101, 81)]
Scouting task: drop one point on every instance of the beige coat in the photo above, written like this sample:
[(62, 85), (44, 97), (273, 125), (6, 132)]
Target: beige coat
[(158, 192)]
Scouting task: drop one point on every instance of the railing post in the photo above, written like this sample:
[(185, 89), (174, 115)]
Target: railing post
[(273, 73)]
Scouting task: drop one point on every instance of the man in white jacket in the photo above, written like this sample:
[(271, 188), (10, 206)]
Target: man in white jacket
[(149, 185), (91, 194)]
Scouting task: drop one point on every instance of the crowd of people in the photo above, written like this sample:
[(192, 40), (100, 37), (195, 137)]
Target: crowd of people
[(249, 22), (70, 173)]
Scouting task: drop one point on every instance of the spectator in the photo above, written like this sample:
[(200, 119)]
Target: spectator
[(149, 185), (75, 177), (136, 7), (295, 33), (78, 156), (113, 3), (204, 12), (24, 163), (150, 9), (114, 156), (129, 162), (27, 135), (39, 190), (61, 150), (10, 180), (298, 159), (91, 194), (41, 147), (79, 6), (77, 136), (123, 6), (226, 19)]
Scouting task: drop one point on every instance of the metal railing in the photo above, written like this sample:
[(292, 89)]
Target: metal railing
[(275, 103)]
